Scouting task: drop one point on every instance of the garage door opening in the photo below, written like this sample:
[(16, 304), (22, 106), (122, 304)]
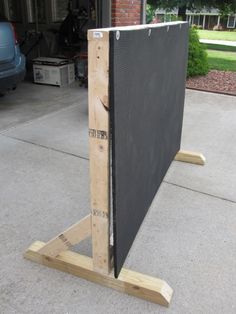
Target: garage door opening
[(55, 29)]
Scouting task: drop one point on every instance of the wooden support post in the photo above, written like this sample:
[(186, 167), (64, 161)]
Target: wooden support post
[(130, 282), (71, 236), (99, 148), (190, 157)]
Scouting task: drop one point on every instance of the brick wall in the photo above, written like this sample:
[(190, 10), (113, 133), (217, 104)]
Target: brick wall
[(126, 12)]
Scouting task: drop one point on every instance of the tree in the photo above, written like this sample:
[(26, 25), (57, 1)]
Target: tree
[(150, 13), (226, 7), (184, 5)]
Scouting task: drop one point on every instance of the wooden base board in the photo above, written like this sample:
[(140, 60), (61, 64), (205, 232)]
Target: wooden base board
[(190, 157), (130, 282)]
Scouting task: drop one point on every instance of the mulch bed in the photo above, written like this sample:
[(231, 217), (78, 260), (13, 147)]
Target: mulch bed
[(215, 81)]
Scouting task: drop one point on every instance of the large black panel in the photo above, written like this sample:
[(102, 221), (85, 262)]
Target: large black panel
[(147, 89)]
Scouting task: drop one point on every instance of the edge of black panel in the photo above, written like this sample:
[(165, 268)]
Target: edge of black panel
[(112, 139)]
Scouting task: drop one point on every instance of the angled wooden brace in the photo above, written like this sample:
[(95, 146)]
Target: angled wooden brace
[(71, 236)]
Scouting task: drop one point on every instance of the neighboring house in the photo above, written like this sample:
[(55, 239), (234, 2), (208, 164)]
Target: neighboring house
[(205, 18)]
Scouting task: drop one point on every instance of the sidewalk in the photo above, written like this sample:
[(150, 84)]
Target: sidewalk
[(218, 42)]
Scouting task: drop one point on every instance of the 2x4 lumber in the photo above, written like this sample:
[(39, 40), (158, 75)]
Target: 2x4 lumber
[(190, 157), (99, 147), (130, 282), (71, 236)]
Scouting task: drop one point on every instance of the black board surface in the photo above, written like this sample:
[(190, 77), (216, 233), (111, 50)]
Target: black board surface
[(147, 90)]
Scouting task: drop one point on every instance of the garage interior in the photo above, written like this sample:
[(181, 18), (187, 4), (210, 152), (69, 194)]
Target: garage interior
[(55, 29), (51, 34)]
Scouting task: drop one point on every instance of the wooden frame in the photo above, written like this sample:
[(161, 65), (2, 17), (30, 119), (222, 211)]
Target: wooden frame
[(190, 157), (55, 253), (99, 149)]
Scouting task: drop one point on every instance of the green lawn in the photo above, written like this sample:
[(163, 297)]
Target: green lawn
[(222, 60), (217, 35)]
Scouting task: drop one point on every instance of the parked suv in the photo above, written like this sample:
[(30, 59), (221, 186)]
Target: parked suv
[(12, 62)]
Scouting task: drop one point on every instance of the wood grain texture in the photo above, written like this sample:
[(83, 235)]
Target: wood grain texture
[(190, 157), (99, 147), (130, 282), (71, 236)]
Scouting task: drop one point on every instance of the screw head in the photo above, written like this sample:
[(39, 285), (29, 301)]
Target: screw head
[(117, 35)]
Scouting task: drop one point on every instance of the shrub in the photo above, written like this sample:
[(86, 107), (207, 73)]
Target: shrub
[(197, 55), (150, 13)]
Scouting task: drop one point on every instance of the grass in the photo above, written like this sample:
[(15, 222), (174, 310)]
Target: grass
[(222, 60), (217, 35), (220, 57)]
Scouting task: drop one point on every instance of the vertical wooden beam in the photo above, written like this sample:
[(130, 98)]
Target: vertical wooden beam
[(99, 148)]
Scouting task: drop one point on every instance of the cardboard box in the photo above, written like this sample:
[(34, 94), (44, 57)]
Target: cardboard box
[(53, 71)]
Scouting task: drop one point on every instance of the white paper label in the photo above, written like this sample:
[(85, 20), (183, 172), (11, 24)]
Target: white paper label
[(97, 34)]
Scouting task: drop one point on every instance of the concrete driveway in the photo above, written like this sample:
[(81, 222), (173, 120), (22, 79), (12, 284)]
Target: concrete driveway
[(188, 237)]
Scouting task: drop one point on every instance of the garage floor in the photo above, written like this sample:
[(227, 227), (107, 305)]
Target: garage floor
[(188, 237)]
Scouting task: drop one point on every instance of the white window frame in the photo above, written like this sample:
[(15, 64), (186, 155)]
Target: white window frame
[(30, 12), (230, 16), (54, 12), (29, 6), (7, 10)]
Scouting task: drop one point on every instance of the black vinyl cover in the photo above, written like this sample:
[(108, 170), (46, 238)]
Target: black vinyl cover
[(147, 90)]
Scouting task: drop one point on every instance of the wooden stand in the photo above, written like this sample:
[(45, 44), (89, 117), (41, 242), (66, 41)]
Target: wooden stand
[(98, 269), (190, 157)]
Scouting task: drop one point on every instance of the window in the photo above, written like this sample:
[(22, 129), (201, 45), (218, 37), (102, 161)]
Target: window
[(167, 17), (31, 10), (231, 21), (13, 10), (2, 8), (59, 10), (195, 19)]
